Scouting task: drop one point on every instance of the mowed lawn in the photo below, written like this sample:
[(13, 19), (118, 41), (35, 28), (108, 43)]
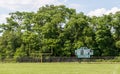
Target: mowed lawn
[(58, 68)]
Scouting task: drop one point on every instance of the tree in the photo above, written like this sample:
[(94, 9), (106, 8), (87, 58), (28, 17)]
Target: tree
[(104, 37), (118, 44), (58, 29), (50, 20)]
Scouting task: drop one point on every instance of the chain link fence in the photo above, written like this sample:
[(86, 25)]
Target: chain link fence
[(62, 59)]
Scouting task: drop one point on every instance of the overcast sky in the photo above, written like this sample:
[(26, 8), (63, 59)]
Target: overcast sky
[(89, 7)]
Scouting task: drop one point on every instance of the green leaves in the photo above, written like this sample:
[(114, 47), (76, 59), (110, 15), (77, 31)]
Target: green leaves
[(61, 30), (118, 44)]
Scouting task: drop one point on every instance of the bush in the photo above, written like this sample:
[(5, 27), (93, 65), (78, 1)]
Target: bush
[(20, 53), (116, 59)]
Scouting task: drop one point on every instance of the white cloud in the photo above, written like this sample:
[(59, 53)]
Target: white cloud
[(14, 4), (97, 12), (15, 1), (40, 3), (100, 12), (7, 6), (113, 10), (65, 0), (75, 6), (26, 4), (3, 18)]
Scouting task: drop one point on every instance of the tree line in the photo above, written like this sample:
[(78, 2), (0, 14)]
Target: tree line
[(61, 30)]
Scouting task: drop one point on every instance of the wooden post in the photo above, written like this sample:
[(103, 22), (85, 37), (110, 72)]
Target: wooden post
[(41, 58)]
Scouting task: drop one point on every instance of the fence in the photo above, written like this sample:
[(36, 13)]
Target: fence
[(58, 59)]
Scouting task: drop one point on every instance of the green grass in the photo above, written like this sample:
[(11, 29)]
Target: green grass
[(58, 68)]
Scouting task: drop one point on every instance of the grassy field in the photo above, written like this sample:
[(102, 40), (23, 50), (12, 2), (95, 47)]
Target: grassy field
[(58, 68)]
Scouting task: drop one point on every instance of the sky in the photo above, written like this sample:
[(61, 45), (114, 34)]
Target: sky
[(89, 7)]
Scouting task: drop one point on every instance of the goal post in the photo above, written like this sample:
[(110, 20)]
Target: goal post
[(41, 54), (45, 54)]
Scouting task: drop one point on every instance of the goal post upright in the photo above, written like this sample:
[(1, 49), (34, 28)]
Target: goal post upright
[(41, 54)]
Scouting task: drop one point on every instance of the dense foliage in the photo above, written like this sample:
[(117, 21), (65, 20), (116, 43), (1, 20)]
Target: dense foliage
[(59, 30)]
